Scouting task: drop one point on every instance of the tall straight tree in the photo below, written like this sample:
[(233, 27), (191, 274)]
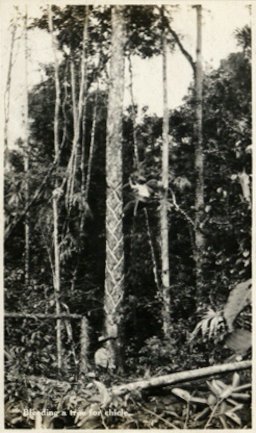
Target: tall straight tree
[(114, 269), (78, 107), (56, 193), (7, 96), (199, 158), (26, 156), (164, 202)]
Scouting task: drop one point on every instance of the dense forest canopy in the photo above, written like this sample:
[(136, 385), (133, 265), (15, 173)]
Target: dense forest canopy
[(84, 222)]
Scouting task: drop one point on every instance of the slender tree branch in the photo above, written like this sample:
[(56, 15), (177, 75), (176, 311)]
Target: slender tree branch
[(153, 255), (180, 45), (63, 106), (182, 48)]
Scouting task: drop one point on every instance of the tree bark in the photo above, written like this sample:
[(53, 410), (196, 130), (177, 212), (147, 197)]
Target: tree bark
[(79, 156), (83, 98), (26, 156), (199, 160), (133, 116), (114, 268), (181, 376), (77, 153), (56, 192), (84, 346), (7, 99), (92, 146), (152, 251), (164, 201), (73, 156)]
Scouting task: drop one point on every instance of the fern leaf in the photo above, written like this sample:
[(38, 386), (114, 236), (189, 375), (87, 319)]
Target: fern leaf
[(238, 299)]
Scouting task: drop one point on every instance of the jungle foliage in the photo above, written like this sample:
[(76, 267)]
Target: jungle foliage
[(203, 331)]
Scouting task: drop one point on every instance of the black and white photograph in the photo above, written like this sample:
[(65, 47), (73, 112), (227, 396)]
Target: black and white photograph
[(127, 208)]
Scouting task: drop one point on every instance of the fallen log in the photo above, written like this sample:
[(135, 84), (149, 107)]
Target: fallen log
[(181, 376)]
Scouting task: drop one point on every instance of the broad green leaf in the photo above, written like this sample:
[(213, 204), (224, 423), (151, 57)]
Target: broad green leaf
[(240, 340), (226, 392), (236, 408), (241, 396), (242, 387), (212, 399), (223, 421), (185, 395), (104, 394), (221, 384), (201, 414), (238, 299), (234, 417), (235, 380), (198, 400), (215, 388)]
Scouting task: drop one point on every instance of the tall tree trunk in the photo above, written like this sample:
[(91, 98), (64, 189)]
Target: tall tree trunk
[(77, 152), (133, 116), (84, 346), (26, 157), (92, 146), (199, 159), (73, 157), (56, 278), (114, 270), (164, 202), (56, 195), (82, 99), (78, 148), (7, 95)]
